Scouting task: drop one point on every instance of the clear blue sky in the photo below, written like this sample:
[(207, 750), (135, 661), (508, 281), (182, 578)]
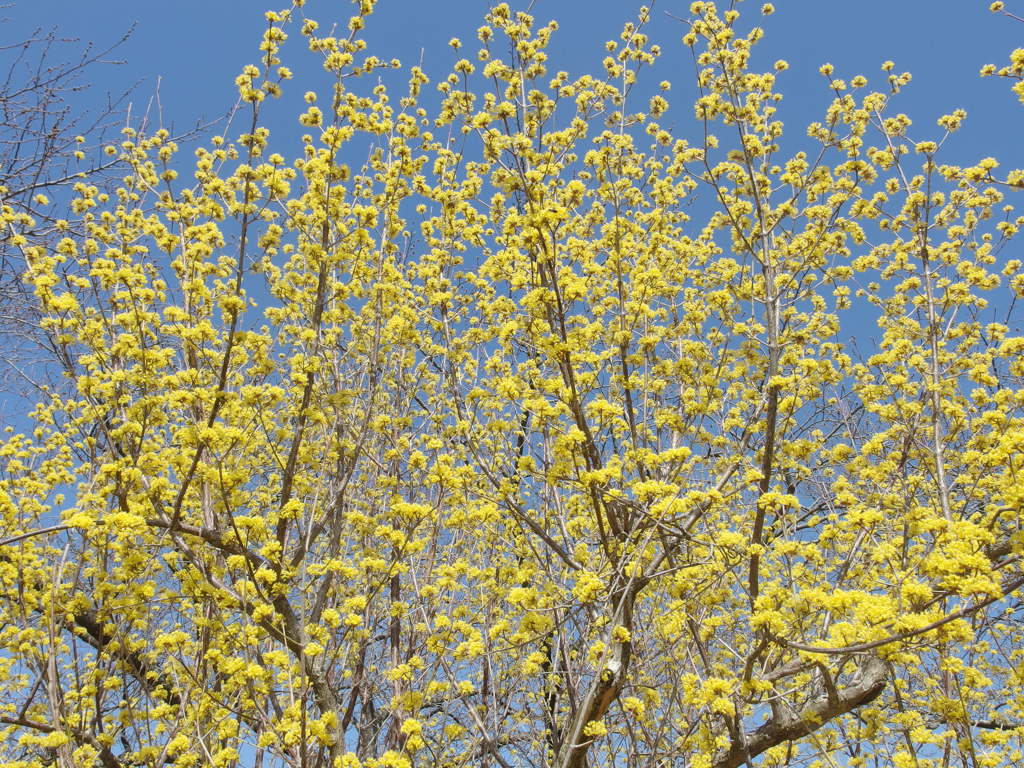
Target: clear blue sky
[(197, 48)]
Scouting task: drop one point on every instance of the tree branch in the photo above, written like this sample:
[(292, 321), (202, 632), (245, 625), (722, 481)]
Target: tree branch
[(818, 711)]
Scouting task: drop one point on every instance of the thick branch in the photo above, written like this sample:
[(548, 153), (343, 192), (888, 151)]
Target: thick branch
[(818, 711), (608, 685)]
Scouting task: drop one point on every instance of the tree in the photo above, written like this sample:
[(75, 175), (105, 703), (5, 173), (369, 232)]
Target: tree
[(486, 453)]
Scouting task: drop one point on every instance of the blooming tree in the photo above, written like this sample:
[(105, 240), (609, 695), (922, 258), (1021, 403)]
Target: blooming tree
[(500, 450)]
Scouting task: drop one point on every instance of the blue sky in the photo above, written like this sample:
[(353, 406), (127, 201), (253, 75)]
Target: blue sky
[(196, 48)]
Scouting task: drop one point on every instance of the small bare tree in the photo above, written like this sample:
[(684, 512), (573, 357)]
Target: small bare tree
[(49, 142)]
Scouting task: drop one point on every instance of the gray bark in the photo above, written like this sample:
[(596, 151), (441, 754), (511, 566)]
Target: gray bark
[(790, 726)]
